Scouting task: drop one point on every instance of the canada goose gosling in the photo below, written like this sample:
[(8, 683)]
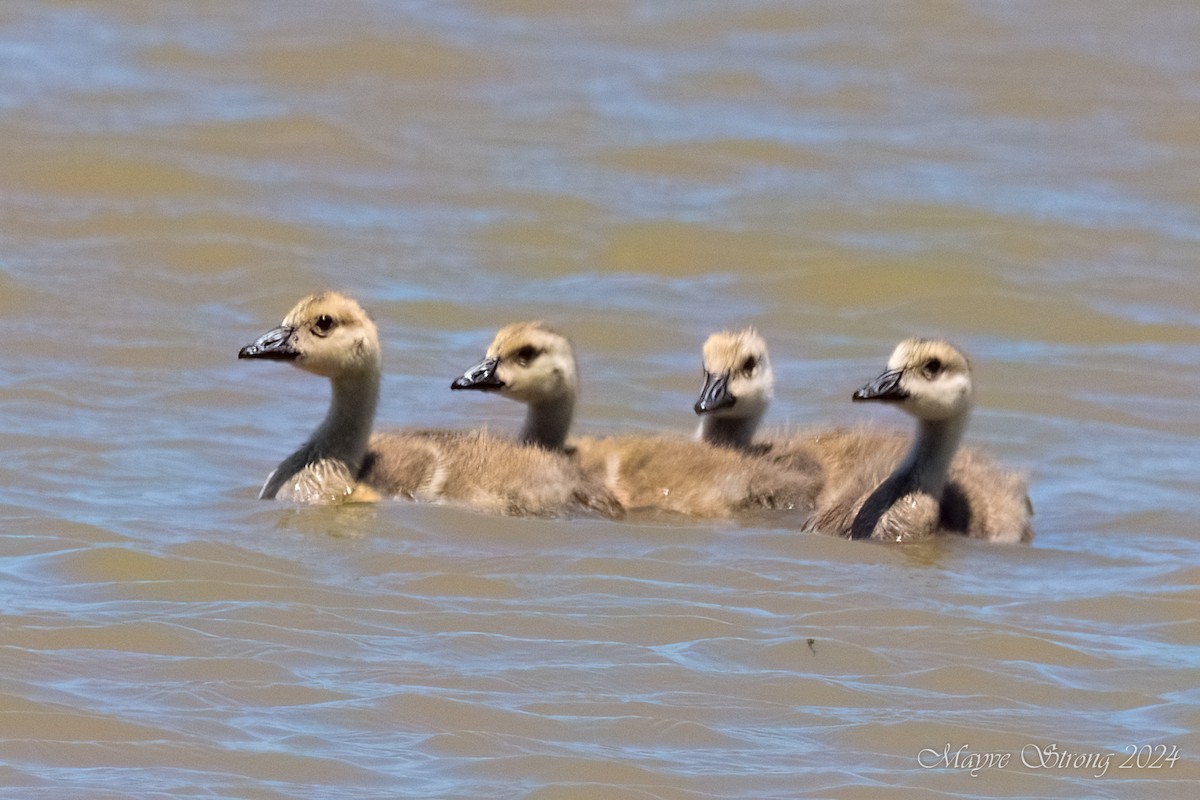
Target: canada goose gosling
[(930, 380), (535, 365), (738, 387), (330, 335)]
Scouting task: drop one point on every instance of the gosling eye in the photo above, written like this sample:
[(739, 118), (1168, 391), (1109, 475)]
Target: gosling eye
[(526, 354), (932, 368), (323, 325), (749, 366)]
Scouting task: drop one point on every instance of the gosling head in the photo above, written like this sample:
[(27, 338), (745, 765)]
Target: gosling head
[(327, 334), (928, 378), (528, 362), (738, 382)]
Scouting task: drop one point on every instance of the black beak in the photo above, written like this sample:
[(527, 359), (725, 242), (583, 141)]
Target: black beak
[(277, 344), (715, 394), (886, 388), (482, 377)]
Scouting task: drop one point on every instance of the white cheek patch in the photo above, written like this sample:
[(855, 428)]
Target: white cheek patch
[(939, 398)]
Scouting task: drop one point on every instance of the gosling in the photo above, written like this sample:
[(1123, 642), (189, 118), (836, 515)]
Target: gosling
[(329, 334), (533, 364), (922, 496), (738, 388)]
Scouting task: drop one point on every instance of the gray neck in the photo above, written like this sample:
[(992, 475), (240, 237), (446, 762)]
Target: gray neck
[(342, 436), (728, 431), (928, 461), (922, 471), (547, 424)]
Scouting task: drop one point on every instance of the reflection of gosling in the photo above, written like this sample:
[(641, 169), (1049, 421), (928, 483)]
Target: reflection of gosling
[(923, 495), (330, 335)]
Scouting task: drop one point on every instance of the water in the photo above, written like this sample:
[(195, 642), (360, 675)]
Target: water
[(1019, 177)]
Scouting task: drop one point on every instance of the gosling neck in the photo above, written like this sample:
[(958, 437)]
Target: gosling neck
[(547, 423), (923, 471), (735, 432), (343, 434), (347, 427), (928, 461)]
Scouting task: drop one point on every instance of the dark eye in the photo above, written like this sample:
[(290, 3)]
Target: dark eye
[(526, 354), (932, 368), (749, 366), (323, 325)]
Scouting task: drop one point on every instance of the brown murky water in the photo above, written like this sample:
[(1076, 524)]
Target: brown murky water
[(1020, 177)]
